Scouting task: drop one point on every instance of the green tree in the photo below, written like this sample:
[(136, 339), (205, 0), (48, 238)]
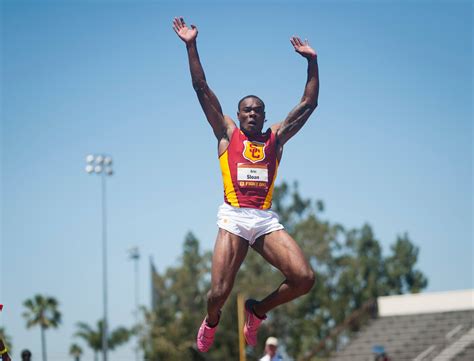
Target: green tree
[(93, 338), (75, 351), (42, 311), (167, 331), (401, 275)]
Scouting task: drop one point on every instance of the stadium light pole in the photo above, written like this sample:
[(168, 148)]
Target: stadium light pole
[(134, 255), (102, 165)]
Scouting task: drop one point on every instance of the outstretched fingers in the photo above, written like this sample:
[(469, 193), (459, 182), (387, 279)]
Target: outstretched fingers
[(293, 41), (302, 47), (183, 31), (296, 41), (179, 24), (176, 24)]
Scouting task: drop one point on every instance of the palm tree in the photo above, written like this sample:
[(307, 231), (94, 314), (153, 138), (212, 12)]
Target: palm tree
[(75, 351), (93, 338), (42, 311)]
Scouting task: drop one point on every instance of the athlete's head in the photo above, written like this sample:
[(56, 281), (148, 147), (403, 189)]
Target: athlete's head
[(251, 114)]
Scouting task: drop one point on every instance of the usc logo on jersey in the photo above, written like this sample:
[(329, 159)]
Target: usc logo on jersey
[(254, 151)]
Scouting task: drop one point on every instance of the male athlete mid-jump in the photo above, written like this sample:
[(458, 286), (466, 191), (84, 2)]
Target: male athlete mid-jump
[(249, 160)]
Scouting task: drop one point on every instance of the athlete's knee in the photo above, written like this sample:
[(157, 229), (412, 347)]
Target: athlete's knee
[(305, 281), (308, 280), (219, 293)]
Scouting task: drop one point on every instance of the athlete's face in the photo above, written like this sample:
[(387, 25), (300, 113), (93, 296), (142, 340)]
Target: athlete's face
[(251, 116)]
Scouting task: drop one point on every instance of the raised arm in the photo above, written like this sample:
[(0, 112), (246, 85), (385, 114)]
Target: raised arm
[(309, 101), (208, 100)]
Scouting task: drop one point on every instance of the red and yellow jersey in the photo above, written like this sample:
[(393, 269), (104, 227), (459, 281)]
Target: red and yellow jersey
[(249, 169)]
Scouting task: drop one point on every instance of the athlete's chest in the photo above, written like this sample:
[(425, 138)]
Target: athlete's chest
[(253, 161), (258, 150)]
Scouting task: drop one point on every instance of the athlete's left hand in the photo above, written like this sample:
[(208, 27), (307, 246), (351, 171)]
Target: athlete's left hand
[(303, 48)]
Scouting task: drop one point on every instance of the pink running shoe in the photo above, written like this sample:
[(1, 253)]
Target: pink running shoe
[(205, 336), (252, 323)]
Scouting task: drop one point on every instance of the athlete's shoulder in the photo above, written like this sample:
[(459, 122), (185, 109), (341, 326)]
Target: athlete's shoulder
[(275, 127)]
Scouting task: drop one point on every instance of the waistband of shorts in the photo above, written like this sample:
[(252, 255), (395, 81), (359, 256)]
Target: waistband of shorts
[(226, 206)]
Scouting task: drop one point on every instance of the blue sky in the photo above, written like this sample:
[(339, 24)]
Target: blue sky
[(390, 144)]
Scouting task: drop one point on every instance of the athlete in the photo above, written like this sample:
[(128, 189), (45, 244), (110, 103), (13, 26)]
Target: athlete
[(249, 159)]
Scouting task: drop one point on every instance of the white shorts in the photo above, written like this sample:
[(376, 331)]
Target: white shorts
[(248, 223)]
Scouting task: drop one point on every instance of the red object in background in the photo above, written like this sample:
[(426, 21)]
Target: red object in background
[(1, 307)]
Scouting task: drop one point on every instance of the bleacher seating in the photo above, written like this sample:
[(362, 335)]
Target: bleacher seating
[(436, 331)]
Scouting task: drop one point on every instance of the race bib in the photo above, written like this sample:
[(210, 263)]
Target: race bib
[(252, 175)]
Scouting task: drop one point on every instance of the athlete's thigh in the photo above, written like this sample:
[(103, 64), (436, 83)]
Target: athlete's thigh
[(229, 253), (281, 251)]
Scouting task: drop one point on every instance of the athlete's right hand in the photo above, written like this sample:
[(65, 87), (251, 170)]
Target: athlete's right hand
[(188, 35)]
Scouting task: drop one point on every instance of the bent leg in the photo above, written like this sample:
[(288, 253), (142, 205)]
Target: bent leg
[(281, 251), (229, 253)]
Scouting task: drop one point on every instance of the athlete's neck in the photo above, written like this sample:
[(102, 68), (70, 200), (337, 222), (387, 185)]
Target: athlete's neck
[(251, 134)]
